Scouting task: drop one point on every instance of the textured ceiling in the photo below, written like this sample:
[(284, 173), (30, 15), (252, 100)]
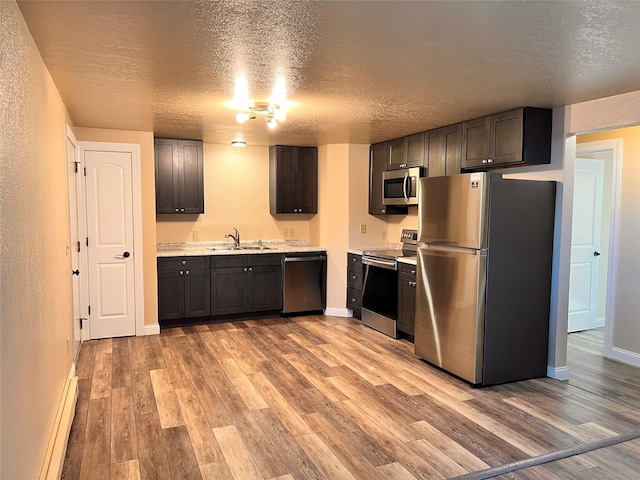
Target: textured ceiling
[(356, 71)]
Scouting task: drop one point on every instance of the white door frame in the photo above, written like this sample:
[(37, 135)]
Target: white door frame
[(614, 145), (136, 179), (81, 293)]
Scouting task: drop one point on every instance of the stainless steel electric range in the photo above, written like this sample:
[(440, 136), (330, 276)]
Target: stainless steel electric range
[(380, 284)]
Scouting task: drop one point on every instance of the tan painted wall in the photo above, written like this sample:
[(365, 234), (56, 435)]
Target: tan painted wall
[(148, 192), (626, 334), (36, 310), (236, 195)]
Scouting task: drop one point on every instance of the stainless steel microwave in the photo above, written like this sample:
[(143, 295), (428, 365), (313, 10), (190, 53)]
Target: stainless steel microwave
[(400, 187)]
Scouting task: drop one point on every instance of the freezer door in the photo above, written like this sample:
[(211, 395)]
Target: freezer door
[(449, 314), (452, 210)]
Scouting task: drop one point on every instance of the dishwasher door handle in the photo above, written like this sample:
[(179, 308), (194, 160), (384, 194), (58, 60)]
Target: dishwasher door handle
[(303, 259)]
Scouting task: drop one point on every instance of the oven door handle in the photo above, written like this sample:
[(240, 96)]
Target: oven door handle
[(376, 262)]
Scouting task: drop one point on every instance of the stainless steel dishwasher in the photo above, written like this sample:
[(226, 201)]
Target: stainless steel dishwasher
[(305, 282)]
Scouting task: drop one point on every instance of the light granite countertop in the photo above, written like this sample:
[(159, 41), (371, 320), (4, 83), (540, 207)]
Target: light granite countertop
[(223, 248)]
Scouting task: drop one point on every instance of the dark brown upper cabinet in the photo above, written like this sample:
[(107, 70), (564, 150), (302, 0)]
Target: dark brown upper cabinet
[(406, 152), (293, 180), (179, 170), (443, 150), (517, 137), (378, 160)]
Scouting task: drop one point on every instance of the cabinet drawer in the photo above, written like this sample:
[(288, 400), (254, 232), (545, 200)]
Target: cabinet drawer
[(228, 261), (265, 259), (354, 298), (354, 260), (407, 270), (354, 277), (178, 263)]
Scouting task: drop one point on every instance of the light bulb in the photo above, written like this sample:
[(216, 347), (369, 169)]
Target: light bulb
[(271, 122), (242, 117), (280, 115)]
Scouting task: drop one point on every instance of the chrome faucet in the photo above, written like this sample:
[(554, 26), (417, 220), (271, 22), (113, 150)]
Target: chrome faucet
[(236, 237)]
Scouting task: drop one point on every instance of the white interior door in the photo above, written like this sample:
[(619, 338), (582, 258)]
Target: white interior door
[(110, 230), (585, 244), (74, 237)]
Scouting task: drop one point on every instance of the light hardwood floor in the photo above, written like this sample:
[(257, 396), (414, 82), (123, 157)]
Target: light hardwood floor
[(322, 397)]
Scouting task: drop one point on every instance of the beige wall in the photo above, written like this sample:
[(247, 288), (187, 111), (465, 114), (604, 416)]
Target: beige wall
[(148, 195), (236, 195), (36, 310), (626, 334)]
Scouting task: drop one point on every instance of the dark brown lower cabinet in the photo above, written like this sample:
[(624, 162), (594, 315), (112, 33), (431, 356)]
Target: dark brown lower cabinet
[(246, 283), (354, 284), (183, 288), (406, 298)]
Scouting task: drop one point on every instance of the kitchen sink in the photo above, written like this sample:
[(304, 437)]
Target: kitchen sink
[(228, 249)]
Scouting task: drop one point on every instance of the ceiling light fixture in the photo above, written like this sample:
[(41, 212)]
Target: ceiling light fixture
[(238, 143), (272, 112)]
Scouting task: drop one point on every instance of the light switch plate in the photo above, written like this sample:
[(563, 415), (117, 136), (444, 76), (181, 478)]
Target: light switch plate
[(363, 228)]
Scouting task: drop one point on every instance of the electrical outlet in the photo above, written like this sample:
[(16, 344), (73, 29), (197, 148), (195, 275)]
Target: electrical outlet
[(363, 228), (383, 234), (286, 232), (196, 234), (292, 232)]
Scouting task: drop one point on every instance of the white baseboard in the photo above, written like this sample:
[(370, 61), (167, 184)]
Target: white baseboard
[(338, 312), (558, 373), (57, 447), (626, 356), (152, 329)]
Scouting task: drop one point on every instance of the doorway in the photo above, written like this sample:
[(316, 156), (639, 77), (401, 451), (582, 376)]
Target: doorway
[(112, 202), (594, 236)]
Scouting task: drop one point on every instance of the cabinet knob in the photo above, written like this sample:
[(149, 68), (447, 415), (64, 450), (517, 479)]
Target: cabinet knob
[(413, 272), (182, 209), (353, 300), (489, 160), (353, 277), (251, 269), (181, 272), (384, 211), (184, 262), (177, 210), (187, 272), (484, 161), (244, 269), (412, 284), (403, 165)]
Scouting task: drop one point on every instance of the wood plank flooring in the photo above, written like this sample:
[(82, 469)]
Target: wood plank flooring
[(321, 397)]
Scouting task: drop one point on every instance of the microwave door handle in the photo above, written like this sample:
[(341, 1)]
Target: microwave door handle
[(404, 187)]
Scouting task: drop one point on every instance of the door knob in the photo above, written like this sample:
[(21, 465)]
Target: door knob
[(75, 272), (124, 255), (596, 253)]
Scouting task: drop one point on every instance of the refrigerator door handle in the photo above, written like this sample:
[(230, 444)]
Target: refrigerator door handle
[(445, 248)]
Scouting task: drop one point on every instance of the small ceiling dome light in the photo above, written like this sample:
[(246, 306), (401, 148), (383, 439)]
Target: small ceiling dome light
[(239, 143)]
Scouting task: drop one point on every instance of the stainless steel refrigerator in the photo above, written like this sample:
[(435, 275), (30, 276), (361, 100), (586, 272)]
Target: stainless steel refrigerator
[(484, 276)]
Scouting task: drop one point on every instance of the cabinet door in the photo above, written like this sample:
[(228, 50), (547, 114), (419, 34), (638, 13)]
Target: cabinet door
[(414, 150), (170, 294), (475, 142), (197, 293), (264, 288), (167, 178), (506, 137), (377, 165), (406, 304), (191, 177), (306, 180), (395, 155), (452, 140), (434, 152), (228, 290)]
